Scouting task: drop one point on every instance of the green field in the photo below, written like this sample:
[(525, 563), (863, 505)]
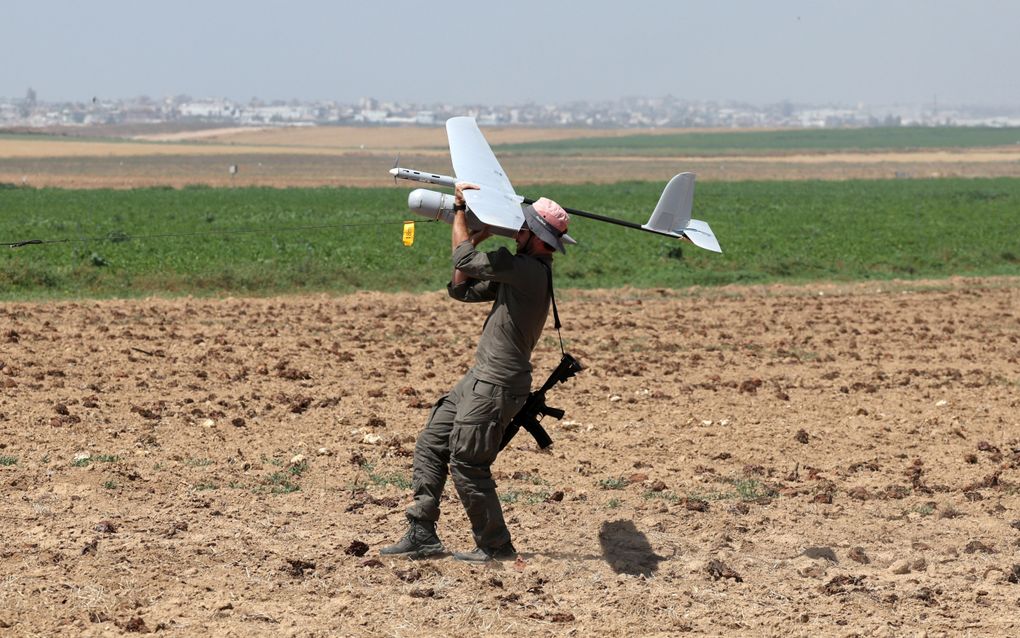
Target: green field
[(247, 241), (792, 140)]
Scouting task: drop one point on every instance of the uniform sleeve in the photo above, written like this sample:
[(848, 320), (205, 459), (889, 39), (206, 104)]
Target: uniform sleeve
[(498, 265), (473, 290)]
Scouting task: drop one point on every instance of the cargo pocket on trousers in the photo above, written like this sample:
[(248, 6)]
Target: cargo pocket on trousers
[(475, 443)]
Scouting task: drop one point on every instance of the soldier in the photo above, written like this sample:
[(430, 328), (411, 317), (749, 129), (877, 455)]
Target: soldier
[(465, 427)]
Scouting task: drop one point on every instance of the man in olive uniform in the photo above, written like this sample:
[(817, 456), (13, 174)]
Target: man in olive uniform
[(466, 426)]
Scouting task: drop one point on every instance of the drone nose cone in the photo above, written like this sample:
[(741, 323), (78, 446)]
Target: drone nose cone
[(393, 172)]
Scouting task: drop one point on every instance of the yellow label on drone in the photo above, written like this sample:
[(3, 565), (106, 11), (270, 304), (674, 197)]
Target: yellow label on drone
[(408, 233)]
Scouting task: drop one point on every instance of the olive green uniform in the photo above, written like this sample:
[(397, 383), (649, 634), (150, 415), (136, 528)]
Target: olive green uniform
[(466, 426)]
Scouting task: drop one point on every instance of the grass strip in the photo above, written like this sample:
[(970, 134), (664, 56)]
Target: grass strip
[(770, 232)]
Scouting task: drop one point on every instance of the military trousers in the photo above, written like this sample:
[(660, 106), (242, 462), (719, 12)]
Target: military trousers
[(462, 437)]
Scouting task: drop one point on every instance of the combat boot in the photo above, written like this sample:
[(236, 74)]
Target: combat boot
[(486, 554), (420, 541)]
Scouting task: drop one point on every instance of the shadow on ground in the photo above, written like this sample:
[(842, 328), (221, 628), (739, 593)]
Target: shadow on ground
[(627, 550)]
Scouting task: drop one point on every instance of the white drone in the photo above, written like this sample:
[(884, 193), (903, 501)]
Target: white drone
[(497, 207)]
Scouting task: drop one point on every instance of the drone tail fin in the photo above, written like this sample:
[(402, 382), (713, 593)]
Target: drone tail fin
[(700, 234), (673, 211), (672, 215)]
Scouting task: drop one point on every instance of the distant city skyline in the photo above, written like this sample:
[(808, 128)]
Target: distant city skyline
[(456, 52), (30, 112)]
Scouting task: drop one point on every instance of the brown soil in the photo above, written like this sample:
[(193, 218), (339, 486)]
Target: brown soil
[(349, 156), (818, 460)]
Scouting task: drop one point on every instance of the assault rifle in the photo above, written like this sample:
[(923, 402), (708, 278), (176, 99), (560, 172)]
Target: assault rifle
[(535, 406)]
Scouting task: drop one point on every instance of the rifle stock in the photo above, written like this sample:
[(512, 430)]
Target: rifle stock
[(535, 407)]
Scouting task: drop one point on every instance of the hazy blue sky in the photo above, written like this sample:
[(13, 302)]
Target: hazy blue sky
[(871, 51)]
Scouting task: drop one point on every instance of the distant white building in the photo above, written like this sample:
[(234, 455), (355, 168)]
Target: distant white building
[(8, 112), (280, 113), (213, 109), (370, 116)]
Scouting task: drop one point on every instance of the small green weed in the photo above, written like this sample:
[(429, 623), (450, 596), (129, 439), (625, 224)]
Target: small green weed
[(925, 509), (518, 496), (198, 462), (662, 496), (8, 460), (110, 485), (744, 489), (85, 461), (279, 483), (752, 490), (399, 480), (527, 477), (201, 487), (534, 498), (613, 483), (613, 503), (274, 461)]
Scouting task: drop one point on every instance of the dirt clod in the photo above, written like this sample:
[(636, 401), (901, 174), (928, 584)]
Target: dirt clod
[(750, 386), (842, 584), (821, 553), (1013, 574), (719, 570), (297, 567), (858, 555), (299, 405), (860, 494), (136, 626), (926, 595), (695, 505), (408, 575), (976, 546), (900, 567), (356, 548), (985, 446)]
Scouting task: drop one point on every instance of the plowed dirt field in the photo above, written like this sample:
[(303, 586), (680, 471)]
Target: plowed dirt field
[(817, 460)]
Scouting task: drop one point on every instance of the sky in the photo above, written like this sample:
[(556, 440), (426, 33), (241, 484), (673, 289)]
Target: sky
[(874, 52)]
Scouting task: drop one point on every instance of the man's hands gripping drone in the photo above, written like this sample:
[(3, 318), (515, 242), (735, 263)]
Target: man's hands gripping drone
[(477, 236)]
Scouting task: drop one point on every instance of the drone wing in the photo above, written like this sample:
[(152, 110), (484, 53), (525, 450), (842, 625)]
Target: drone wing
[(495, 203)]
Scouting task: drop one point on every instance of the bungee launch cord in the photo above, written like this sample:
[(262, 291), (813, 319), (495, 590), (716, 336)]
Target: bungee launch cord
[(227, 231)]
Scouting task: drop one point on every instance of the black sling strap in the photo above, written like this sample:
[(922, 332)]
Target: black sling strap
[(556, 313)]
